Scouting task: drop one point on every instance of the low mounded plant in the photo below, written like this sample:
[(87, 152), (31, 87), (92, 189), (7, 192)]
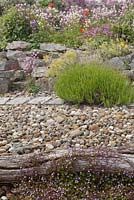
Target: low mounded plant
[(57, 65), (113, 48), (94, 83), (13, 26), (91, 183)]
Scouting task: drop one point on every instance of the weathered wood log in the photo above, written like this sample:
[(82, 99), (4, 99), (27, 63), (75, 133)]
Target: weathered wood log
[(15, 168)]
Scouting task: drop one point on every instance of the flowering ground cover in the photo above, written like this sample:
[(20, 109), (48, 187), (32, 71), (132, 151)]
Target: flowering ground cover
[(76, 186), (72, 23)]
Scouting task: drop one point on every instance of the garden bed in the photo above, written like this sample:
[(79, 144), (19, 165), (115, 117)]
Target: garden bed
[(75, 174), (56, 36)]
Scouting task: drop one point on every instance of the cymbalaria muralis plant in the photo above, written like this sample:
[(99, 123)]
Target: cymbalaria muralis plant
[(92, 183)]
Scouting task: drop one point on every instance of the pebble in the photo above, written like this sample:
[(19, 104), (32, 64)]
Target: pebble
[(49, 146), (75, 133), (4, 198), (29, 128)]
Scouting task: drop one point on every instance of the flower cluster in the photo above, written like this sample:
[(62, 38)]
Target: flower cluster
[(101, 30), (30, 62), (91, 184), (109, 9), (71, 17)]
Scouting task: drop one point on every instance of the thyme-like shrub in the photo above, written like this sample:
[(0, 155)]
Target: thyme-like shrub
[(94, 182), (94, 83), (57, 65)]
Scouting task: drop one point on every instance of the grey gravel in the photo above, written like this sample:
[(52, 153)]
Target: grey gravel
[(28, 128)]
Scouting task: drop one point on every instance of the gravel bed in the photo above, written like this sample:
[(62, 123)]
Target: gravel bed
[(33, 128)]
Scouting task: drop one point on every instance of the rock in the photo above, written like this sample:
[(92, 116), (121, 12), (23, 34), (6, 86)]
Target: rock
[(131, 106), (4, 198), (19, 100), (39, 99), (3, 100), (49, 146), (132, 65), (57, 143), (59, 119), (75, 133), (2, 150), (18, 75), (18, 45), (43, 84), (129, 74), (12, 65), (112, 143), (4, 84), (53, 47), (56, 101), (77, 145), (3, 55), (6, 74), (127, 58), (51, 83), (17, 135), (3, 64), (18, 148), (14, 55), (94, 128), (7, 68), (3, 143), (39, 72), (50, 121), (116, 62), (129, 136), (29, 63)]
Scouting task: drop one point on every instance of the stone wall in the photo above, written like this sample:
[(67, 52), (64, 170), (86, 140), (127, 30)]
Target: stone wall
[(19, 60)]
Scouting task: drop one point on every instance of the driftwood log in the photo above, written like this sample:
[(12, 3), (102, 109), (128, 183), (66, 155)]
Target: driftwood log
[(15, 168)]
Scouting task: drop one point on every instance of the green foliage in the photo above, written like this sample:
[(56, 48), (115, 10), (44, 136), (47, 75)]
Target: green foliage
[(9, 3), (40, 36), (32, 87), (59, 64), (64, 183), (124, 27), (79, 185), (109, 47), (95, 42), (94, 84), (113, 48), (69, 37), (45, 3), (14, 26)]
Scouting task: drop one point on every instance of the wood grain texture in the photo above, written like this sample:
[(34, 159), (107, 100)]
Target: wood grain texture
[(14, 168)]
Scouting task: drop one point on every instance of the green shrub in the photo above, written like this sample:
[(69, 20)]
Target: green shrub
[(14, 26), (113, 48), (94, 84), (124, 27), (70, 37), (59, 64), (108, 47)]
